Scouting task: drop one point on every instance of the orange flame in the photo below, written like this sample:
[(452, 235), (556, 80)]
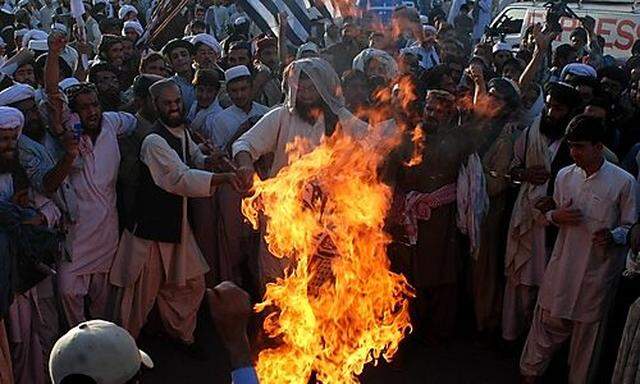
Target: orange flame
[(339, 306), (417, 139)]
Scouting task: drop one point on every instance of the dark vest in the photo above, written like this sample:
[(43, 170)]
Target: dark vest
[(158, 213)]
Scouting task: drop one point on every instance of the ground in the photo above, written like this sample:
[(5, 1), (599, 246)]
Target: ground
[(460, 362)]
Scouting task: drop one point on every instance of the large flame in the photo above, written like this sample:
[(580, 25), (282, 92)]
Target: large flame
[(338, 306)]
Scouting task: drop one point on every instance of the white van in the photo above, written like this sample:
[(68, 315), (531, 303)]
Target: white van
[(618, 23)]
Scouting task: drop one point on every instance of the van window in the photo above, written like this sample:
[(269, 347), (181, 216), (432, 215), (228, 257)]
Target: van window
[(517, 18)]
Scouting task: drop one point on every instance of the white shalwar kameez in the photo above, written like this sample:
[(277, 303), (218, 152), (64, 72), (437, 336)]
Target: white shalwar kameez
[(197, 116), (579, 278), (527, 254), (282, 125), (93, 238), (167, 274), (221, 128)]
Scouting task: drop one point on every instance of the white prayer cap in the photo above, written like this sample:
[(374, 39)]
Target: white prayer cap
[(132, 24), (60, 27), (100, 350), (2, 43), (207, 40), (236, 72), (16, 93), (34, 34), (501, 46), (430, 29), (95, 2), (424, 20), (71, 57), (240, 20), (11, 66), (125, 9), (20, 32), (309, 46), (68, 82), (11, 119), (579, 69), (38, 45)]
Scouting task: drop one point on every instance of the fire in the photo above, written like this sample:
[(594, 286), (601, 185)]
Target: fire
[(418, 147), (339, 306)]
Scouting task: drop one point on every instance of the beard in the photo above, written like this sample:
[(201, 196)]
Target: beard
[(172, 121), (309, 112), (553, 129)]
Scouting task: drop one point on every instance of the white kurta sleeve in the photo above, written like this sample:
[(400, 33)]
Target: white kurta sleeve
[(170, 173), (628, 213), (197, 157), (262, 138), (123, 123)]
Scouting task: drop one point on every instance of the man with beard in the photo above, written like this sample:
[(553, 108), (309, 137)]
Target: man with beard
[(11, 123), (22, 97), (158, 261), (313, 108), (110, 50), (105, 77), (424, 213), (179, 55), (595, 205), (540, 152)]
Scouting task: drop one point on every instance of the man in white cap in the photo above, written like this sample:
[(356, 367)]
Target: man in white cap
[(11, 123), (424, 48), (100, 351), (32, 320), (128, 12), (221, 130), (132, 30), (313, 109), (159, 262), (22, 97), (223, 127), (207, 51), (501, 53)]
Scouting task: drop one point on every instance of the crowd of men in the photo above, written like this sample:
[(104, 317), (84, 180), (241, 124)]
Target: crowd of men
[(124, 160)]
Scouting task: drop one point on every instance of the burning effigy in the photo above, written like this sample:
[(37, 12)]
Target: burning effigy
[(339, 306)]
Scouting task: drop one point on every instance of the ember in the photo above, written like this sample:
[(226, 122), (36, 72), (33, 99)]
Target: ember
[(339, 306)]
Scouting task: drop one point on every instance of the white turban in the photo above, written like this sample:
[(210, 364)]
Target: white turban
[(132, 24), (579, 69), (309, 46), (20, 32), (324, 78), (430, 29), (68, 82), (207, 40), (17, 93), (125, 9), (61, 27), (362, 59), (500, 46), (34, 34), (11, 119), (38, 45), (69, 54)]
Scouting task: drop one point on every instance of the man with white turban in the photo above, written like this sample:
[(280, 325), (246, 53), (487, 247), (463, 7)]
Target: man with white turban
[(376, 63), (32, 317), (11, 123), (132, 30), (207, 51), (128, 12), (311, 85)]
